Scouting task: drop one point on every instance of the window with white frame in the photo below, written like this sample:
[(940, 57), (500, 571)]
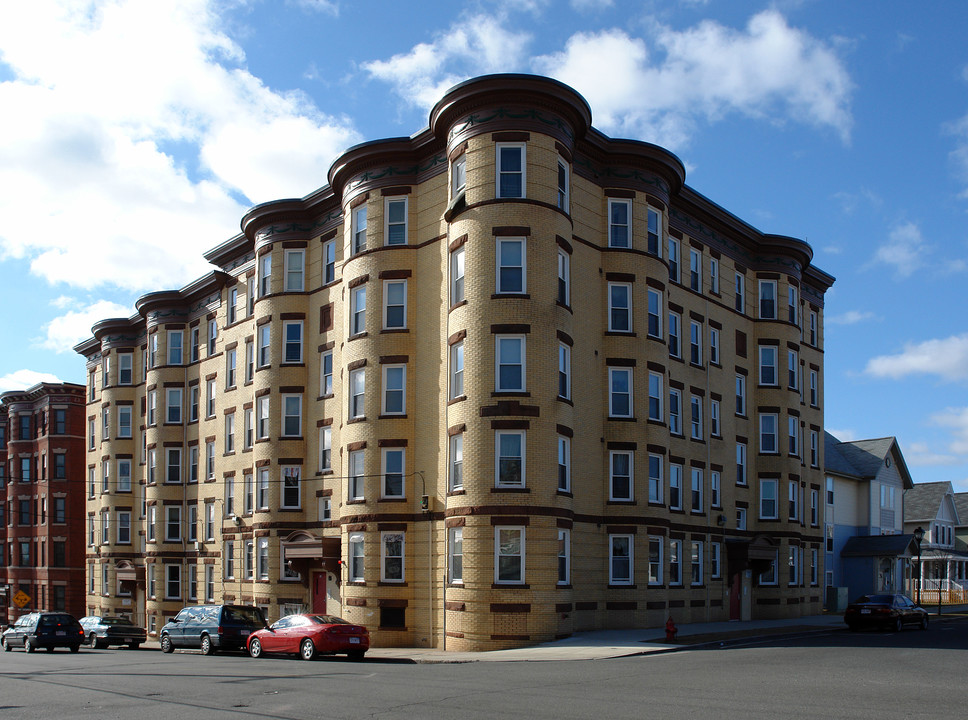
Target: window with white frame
[(510, 458), (813, 328), (175, 347), (356, 475), (714, 275), (394, 389), (793, 563), (458, 175), (696, 502), (356, 557), (210, 398), (655, 560), (741, 395), (564, 278), (620, 392), (229, 490), (814, 392), (620, 561), (231, 358), (392, 556), (793, 435), (172, 581), (509, 554), (357, 389), (152, 358), (265, 275), (655, 313), (326, 374), (740, 463), (768, 299), (768, 433), (394, 460), (715, 489), (511, 176), (173, 523), (695, 269), (151, 463), (793, 504), (456, 474), (619, 307), (510, 363), (248, 489), (231, 304), (654, 232), (768, 375), (675, 486), (675, 335), (124, 475), (695, 343), (695, 417), (457, 370), (714, 427), (291, 487), (740, 297), (714, 346), (563, 189), (230, 432), (173, 465), (673, 258), (326, 448), (793, 306), (248, 429), (329, 261), (564, 371), (124, 421), (619, 223), (292, 331), (124, 528), (394, 304), (262, 417), (620, 476), (262, 489), (457, 276), (125, 368), (395, 220), (675, 411), (814, 507), (511, 266), (151, 402), (830, 491), (359, 229), (192, 522), (212, 336), (358, 310), (564, 556), (696, 561), (740, 518), (295, 270), (715, 560), (655, 397), (564, 463), (656, 463), (263, 558), (675, 562), (793, 369), (768, 499), (249, 560), (210, 460), (292, 415)]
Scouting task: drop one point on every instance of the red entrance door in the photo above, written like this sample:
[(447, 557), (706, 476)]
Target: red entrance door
[(319, 593), (735, 595)]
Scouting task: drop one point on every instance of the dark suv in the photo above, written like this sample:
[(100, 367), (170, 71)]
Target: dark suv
[(211, 628), (44, 630)]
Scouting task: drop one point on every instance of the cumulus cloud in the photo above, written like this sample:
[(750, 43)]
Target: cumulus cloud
[(23, 379), (955, 420), (328, 7), (474, 45), (903, 251), (769, 70), (946, 358), (851, 317), (131, 148), (845, 435), (923, 455), (65, 331)]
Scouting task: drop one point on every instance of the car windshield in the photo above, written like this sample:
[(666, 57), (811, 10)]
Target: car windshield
[(877, 599), (329, 620), (248, 615), (48, 620), (114, 621)]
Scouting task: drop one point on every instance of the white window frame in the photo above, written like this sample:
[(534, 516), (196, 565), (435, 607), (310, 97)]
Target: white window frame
[(326, 373), (655, 560), (295, 277), (521, 554), (675, 411), (654, 313), (356, 464), (614, 477), (386, 574), (455, 476), (499, 478), (290, 327), (176, 347), (457, 270), (675, 562), (564, 185), (564, 371), (697, 486), (326, 448), (290, 476), (713, 346), (675, 486), (291, 407), (564, 463), (356, 557), (387, 286), (615, 308), (500, 170), (501, 265), (695, 269), (400, 455), (768, 370), (654, 232), (767, 304), (458, 175), (695, 417), (359, 229), (696, 563), (262, 417), (564, 556), (656, 394), (714, 275), (740, 297), (741, 464), (695, 343), (329, 262), (564, 278), (614, 393), (389, 225), (675, 267), (357, 393), (499, 344), (768, 446), (617, 226), (769, 493), (615, 543), (358, 310), (457, 370), (656, 481)]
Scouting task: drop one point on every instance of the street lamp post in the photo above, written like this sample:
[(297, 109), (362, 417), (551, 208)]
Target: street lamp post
[(918, 537)]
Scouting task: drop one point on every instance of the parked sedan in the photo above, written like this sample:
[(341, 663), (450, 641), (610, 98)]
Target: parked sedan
[(102, 631), (886, 611), (43, 630), (307, 635)]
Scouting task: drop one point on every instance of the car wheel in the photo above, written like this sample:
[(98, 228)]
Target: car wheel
[(6, 646), (206, 645), (28, 645), (356, 655), (92, 641), (898, 625), (924, 622), (75, 648), (166, 646), (307, 649), (255, 648)]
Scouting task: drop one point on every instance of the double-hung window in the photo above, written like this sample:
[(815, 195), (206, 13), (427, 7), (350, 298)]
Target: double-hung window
[(329, 262), (814, 392), (230, 432), (175, 349), (620, 485), (768, 499), (295, 270), (173, 405), (655, 478), (768, 433), (172, 523), (456, 475), (768, 365), (619, 223), (359, 230), (696, 504), (265, 275), (695, 417), (509, 554), (173, 465), (457, 276), (793, 306), (741, 395), (675, 411), (394, 304), (395, 220), (231, 360), (695, 343), (793, 499), (619, 307), (695, 269), (655, 561), (793, 370), (740, 463), (125, 368), (740, 298), (457, 370), (124, 476), (511, 176), (767, 299), (326, 374), (509, 363), (675, 487), (675, 562), (292, 415), (564, 463), (564, 371), (563, 189), (357, 388), (124, 421), (394, 389), (262, 417), (265, 346), (715, 493), (675, 330), (394, 460), (655, 397), (714, 428), (620, 561), (564, 556), (210, 398), (714, 346), (326, 448), (510, 458), (392, 556), (231, 304), (356, 474), (511, 266), (212, 336), (458, 175), (358, 310), (793, 435), (696, 562), (714, 275), (564, 278), (291, 487), (654, 245), (356, 557), (673, 258), (262, 489), (620, 392), (292, 331), (655, 314)]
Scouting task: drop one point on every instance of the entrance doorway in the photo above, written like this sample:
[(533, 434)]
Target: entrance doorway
[(319, 593)]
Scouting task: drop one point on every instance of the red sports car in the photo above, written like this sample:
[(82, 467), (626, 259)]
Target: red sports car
[(308, 635)]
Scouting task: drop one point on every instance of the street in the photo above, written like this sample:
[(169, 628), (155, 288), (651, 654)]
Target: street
[(828, 675)]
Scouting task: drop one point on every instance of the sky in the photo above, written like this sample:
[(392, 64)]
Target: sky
[(135, 135)]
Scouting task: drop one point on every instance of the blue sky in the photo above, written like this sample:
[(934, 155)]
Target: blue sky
[(135, 135)]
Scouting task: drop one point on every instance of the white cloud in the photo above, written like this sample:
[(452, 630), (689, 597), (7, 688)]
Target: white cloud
[(133, 139), (904, 250), (23, 379), (329, 7), (474, 45), (767, 71), (959, 156), (956, 422), (843, 435), (591, 5), (851, 317), (947, 358), (65, 331), (922, 455)]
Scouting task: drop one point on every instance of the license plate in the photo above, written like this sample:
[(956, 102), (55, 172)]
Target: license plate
[(865, 611), (127, 641), (60, 632), (354, 641)]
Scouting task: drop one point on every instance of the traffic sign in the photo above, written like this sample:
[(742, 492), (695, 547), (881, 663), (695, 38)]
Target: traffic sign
[(21, 599)]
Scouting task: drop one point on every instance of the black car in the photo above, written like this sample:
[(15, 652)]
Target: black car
[(886, 611), (43, 630), (211, 628), (105, 630)]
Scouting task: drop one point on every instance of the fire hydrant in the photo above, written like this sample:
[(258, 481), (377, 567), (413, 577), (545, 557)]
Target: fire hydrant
[(671, 630)]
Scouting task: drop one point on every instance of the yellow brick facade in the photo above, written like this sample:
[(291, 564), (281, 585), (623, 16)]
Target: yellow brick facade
[(547, 548)]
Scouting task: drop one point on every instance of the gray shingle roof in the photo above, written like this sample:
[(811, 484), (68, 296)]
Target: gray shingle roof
[(879, 546), (961, 503), (921, 503), (860, 458)]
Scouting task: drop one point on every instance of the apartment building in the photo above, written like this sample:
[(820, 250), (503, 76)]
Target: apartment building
[(42, 502), (494, 383)]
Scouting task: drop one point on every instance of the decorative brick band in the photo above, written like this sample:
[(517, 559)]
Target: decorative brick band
[(510, 607)]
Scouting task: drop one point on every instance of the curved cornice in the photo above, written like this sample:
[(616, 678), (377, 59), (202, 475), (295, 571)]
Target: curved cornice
[(185, 300), (306, 216)]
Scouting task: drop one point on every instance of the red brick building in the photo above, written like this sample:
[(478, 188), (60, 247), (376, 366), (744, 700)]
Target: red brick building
[(42, 513)]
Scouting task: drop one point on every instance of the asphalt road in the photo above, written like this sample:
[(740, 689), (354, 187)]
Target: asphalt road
[(833, 675)]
